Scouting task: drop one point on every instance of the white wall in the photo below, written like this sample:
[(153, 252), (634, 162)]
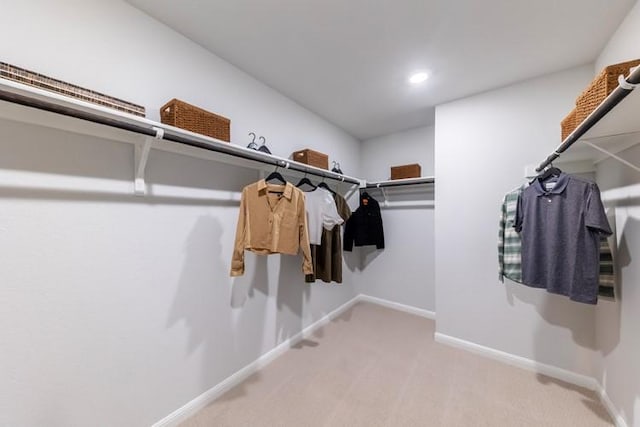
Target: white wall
[(482, 146), (617, 332), (623, 45), (117, 310), (617, 335), (404, 271), (401, 148)]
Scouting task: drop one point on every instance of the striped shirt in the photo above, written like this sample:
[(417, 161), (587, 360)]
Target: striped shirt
[(607, 280), (509, 243)]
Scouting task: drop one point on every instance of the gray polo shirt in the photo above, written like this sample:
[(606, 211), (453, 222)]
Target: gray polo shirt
[(560, 226)]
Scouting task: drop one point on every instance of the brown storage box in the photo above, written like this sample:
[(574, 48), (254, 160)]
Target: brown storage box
[(406, 171), (601, 87), (568, 124), (186, 116), (311, 158), (31, 78)]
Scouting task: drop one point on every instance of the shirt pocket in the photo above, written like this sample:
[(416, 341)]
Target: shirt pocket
[(289, 220)]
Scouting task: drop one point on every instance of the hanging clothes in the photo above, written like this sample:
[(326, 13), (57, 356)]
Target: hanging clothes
[(327, 257), (364, 227), (561, 224), (272, 219), (607, 278), (322, 213), (510, 246)]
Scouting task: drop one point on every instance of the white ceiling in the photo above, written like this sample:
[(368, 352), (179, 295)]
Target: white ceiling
[(348, 60)]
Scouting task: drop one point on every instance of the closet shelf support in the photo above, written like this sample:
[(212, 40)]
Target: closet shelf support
[(353, 189), (141, 153), (384, 195), (613, 156)]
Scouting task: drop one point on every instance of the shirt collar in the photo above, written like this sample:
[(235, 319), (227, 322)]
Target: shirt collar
[(560, 186), (288, 188)]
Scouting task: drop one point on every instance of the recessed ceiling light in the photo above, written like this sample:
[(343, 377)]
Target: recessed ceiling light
[(418, 78)]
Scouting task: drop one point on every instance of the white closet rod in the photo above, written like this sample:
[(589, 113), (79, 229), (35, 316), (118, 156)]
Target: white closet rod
[(154, 135), (383, 185), (38, 99), (400, 182)]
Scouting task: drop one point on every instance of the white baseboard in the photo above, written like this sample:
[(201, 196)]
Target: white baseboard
[(192, 407), (206, 398), (618, 419), (521, 362), (397, 306)]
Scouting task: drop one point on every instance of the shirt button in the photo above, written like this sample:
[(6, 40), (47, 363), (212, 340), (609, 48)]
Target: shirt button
[(549, 200)]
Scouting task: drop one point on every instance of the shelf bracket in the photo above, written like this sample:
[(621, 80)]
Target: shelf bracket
[(384, 194), (141, 154), (613, 156), (352, 190)]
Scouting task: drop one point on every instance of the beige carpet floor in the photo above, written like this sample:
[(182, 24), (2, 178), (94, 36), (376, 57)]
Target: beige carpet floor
[(379, 367)]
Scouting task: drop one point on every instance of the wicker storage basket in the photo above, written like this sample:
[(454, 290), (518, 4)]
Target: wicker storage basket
[(31, 78), (568, 124), (186, 116), (311, 158), (406, 171), (601, 87)]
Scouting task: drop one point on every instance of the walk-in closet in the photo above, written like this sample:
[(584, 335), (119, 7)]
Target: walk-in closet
[(411, 213)]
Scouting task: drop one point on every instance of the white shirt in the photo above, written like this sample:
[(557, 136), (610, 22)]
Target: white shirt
[(321, 213)]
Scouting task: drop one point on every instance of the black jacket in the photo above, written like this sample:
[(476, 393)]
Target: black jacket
[(364, 227)]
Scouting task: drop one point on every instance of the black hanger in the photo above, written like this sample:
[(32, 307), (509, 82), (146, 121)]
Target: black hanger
[(336, 168), (326, 187), (551, 171), (252, 145), (263, 148), (275, 175), (306, 181)]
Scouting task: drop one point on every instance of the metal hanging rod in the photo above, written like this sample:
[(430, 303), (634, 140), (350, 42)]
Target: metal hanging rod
[(148, 128), (400, 182), (619, 93)]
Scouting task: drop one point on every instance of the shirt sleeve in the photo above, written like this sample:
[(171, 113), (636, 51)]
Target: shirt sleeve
[(237, 259), (380, 231), (501, 228), (330, 215), (595, 216), (343, 208), (349, 233), (519, 214), (303, 236), (607, 276)]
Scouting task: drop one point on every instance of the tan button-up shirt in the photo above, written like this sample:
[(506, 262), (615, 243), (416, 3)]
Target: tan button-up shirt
[(272, 220)]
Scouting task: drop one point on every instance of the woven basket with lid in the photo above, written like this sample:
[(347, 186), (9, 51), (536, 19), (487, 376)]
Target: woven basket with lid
[(186, 116), (601, 87)]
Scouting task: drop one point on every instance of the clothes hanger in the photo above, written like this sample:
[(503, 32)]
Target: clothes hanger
[(263, 148), (306, 181), (364, 198), (336, 167), (252, 145), (275, 175), (550, 172), (324, 185)]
